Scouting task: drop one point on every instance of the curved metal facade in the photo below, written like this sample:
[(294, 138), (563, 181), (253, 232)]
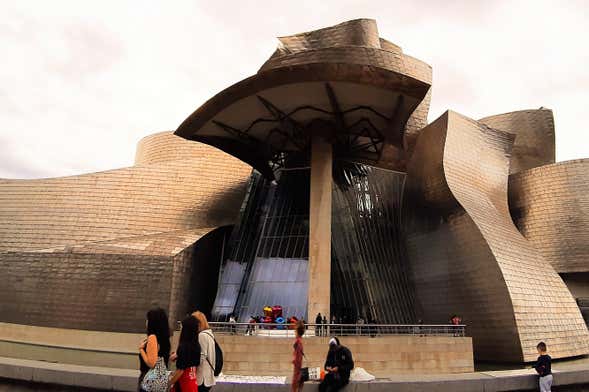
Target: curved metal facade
[(467, 255), (550, 207), (455, 234), (534, 143), (345, 75), (95, 251), (204, 188)]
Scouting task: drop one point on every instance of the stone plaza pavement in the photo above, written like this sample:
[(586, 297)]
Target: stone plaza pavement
[(569, 376)]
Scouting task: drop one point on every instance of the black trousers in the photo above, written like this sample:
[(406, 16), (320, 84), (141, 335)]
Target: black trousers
[(202, 388), (331, 383)]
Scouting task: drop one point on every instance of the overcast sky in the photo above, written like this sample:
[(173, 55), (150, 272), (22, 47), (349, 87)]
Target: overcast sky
[(82, 81)]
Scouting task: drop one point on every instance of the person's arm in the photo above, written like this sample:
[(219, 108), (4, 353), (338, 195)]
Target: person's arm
[(174, 377), (536, 365), (541, 366), (181, 365), (149, 353)]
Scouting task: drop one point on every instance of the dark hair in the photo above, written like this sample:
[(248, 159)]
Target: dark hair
[(189, 332), (541, 346), (300, 328), (157, 324), (188, 346)]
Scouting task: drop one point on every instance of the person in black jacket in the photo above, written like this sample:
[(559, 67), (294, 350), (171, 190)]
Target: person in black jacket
[(338, 366), (318, 328), (544, 368)]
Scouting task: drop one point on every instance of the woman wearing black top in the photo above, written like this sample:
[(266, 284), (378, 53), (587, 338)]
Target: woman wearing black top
[(157, 343), (544, 368), (187, 357)]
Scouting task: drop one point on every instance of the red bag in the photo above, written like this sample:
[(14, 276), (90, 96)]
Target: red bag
[(276, 311)]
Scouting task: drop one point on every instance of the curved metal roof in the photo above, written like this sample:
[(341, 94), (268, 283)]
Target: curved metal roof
[(343, 81)]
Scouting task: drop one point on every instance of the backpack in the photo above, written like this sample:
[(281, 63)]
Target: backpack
[(218, 358)]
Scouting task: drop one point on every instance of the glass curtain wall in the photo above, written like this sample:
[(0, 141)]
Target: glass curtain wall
[(279, 272), (269, 250), (369, 273), (242, 247), (268, 257)]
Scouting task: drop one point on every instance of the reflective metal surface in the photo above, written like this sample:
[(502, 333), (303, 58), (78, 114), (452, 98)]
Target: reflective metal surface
[(243, 246), (268, 260), (467, 256), (550, 206), (454, 249), (534, 137), (373, 90), (369, 264), (269, 257)]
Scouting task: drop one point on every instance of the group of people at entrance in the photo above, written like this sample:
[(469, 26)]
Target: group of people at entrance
[(197, 366), (194, 357), (338, 364)]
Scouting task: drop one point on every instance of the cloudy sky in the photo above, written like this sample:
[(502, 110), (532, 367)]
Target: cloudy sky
[(82, 81)]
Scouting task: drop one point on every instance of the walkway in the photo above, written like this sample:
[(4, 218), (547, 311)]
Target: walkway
[(571, 374)]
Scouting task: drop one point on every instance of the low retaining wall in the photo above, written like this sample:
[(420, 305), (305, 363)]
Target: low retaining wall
[(261, 355), (381, 356), (70, 346)]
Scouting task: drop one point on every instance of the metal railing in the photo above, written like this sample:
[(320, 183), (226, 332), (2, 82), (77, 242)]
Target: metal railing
[(287, 330)]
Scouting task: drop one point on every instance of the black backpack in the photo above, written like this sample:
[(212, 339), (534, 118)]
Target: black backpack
[(218, 358)]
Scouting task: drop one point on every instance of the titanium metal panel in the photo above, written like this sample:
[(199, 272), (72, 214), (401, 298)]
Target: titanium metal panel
[(467, 255), (534, 144)]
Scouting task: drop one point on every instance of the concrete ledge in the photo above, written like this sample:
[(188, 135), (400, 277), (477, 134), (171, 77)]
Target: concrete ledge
[(126, 380), (69, 375), (74, 339)]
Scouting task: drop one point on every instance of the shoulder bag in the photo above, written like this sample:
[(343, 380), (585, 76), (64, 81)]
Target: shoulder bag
[(156, 379)]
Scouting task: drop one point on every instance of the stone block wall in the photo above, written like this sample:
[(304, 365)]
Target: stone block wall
[(380, 356)]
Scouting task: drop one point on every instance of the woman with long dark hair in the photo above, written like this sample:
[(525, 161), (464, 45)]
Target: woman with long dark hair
[(157, 343), (188, 356)]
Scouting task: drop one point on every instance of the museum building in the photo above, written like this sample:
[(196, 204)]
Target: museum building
[(318, 185)]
